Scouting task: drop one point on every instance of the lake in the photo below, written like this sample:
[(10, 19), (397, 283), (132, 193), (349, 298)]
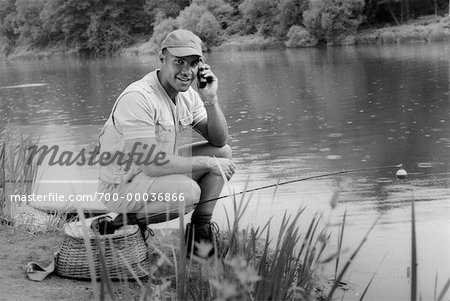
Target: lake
[(294, 114)]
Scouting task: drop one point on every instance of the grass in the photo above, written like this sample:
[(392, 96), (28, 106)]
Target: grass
[(250, 42), (256, 266), (2, 181), (421, 30), (17, 174)]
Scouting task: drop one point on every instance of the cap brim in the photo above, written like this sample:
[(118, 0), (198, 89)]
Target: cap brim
[(183, 51)]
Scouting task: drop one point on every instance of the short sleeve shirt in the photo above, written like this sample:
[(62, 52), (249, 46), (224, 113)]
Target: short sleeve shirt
[(145, 110)]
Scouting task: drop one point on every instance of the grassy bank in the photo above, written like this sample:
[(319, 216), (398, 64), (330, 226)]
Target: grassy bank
[(425, 29), (255, 265)]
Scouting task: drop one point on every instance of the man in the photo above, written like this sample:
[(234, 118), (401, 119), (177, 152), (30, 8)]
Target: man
[(146, 122)]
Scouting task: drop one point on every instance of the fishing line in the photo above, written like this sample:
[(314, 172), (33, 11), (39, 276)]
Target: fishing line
[(400, 166), (302, 179)]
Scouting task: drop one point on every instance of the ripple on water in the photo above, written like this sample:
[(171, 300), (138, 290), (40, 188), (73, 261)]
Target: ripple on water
[(384, 180), (335, 135), (425, 164), (334, 157)]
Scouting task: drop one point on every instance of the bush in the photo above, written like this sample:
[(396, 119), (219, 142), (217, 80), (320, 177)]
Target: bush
[(299, 37), (198, 19), (106, 37), (260, 16), (190, 16), (162, 29), (291, 13), (332, 20), (208, 29), (221, 10)]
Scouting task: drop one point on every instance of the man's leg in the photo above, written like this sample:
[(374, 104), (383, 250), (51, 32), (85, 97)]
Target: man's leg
[(200, 228), (159, 201), (210, 184)]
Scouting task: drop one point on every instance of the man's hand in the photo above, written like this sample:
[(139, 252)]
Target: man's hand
[(226, 165), (209, 92)]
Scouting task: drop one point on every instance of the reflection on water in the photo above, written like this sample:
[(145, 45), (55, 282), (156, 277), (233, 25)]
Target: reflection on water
[(295, 113)]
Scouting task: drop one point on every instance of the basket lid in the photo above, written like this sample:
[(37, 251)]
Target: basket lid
[(75, 229)]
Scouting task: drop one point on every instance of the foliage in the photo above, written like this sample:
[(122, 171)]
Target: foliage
[(221, 10), (17, 173), (332, 20), (67, 21), (290, 14), (111, 27), (101, 27), (169, 8), (260, 16), (208, 28), (162, 28), (200, 18), (299, 37), (190, 16), (8, 35), (27, 24)]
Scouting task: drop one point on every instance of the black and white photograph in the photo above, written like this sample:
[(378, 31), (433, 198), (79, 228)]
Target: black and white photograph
[(226, 150)]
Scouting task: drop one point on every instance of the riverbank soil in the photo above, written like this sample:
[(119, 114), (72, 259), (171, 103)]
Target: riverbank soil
[(18, 246)]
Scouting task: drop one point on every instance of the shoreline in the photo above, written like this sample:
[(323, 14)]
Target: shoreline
[(426, 29)]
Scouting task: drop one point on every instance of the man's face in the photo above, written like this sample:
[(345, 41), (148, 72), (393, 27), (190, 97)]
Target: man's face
[(178, 73)]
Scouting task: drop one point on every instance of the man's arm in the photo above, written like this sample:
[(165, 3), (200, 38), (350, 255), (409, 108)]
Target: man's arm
[(214, 128), (154, 162)]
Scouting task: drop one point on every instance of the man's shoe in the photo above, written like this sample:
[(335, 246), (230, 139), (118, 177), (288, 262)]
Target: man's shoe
[(201, 240), (132, 219)]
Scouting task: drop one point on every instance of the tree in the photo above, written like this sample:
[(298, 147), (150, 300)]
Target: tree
[(290, 14), (260, 16), (299, 37), (95, 26), (7, 18), (208, 29), (168, 8), (27, 22), (67, 21), (190, 16), (162, 29), (113, 23), (332, 20), (221, 10)]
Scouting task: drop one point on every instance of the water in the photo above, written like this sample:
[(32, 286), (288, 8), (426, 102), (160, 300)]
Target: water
[(297, 113)]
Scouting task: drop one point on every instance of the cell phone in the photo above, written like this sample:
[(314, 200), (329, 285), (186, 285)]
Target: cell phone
[(202, 81)]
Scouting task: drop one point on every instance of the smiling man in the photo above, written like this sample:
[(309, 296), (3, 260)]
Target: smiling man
[(148, 117)]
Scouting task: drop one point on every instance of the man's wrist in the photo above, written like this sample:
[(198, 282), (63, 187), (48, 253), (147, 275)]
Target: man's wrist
[(208, 162), (210, 101)]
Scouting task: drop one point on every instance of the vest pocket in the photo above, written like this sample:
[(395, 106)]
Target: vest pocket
[(186, 122), (163, 130)]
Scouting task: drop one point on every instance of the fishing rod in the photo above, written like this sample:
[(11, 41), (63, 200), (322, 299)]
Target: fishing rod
[(401, 174)]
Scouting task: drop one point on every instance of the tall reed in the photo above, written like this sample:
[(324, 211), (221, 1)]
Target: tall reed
[(17, 173), (2, 181), (249, 263)]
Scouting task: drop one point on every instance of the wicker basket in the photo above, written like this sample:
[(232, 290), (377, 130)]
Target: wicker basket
[(124, 252)]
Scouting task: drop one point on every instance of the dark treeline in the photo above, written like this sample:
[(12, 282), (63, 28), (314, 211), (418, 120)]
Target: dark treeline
[(102, 27)]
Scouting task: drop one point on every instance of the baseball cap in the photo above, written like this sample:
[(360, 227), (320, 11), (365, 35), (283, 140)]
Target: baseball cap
[(182, 42)]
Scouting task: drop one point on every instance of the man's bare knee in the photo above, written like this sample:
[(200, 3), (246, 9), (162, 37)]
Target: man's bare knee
[(191, 192)]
